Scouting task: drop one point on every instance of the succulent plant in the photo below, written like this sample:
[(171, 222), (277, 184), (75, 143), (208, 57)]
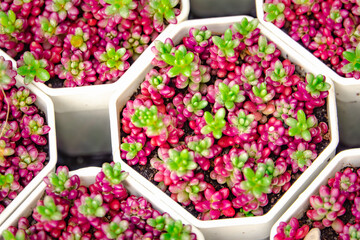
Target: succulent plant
[(226, 45), (30, 158), (160, 48), (5, 150), (274, 13), (291, 230), (64, 8), (116, 228), (353, 58), (149, 118), (114, 173), (33, 69), (198, 39), (246, 29), (195, 103), (34, 127), (49, 28), (229, 95), (22, 100), (182, 62), (316, 85), (7, 74), (60, 183), (327, 207), (263, 49), (215, 205), (255, 181), (300, 127), (181, 162), (9, 23), (8, 186), (350, 231), (214, 125), (121, 8), (161, 10), (191, 191), (113, 62), (346, 181)]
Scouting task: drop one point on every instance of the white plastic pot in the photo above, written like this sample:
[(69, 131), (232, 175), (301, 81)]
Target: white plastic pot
[(45, 104), (347, 89), (82, 117), (239, 228), (87, 177), (214, 8), (300, 206)]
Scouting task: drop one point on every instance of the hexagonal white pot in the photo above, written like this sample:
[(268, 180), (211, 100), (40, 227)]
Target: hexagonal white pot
[(239, 228), (45, 104), (87, 176), (347, 89), (300, 206), (82, 112)]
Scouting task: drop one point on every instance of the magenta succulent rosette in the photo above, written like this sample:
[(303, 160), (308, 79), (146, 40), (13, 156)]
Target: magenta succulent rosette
[(23, 136), (334, 209), (223, 141), (328, 29), (70, 43), (69, 210)]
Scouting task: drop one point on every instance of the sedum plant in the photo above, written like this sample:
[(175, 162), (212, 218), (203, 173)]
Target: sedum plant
[(33, 69)]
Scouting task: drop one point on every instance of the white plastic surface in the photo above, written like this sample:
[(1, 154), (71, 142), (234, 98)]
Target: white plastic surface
[(241, 228), (216, 8), (82, 112), (347, 89), (87, 177), (45, 104), (297, 209)]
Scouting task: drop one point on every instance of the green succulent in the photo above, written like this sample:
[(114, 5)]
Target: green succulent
[(33, 68), (216, 124)]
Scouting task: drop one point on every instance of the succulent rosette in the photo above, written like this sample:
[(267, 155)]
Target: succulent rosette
[(70, 210), (245, 130)]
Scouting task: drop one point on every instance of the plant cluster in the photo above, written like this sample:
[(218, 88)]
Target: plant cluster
[(330, 30), (23, 136), (104, 210), (81, 42), (328, 209), (227, 108)]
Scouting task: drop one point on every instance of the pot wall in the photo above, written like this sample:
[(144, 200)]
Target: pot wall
[(343, 159), (242, 228), (45, 104), (87, 177), (347, 89)]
